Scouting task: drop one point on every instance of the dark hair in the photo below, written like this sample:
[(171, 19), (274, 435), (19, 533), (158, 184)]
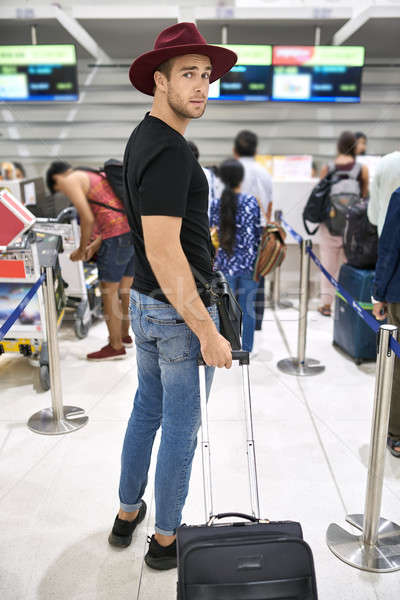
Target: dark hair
[(231, 173), (246, 143), (359, 134), (347, 143), (58, 167), (20, 167), (194, 149)]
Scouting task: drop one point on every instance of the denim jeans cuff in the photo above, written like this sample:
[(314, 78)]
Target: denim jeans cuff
[(130, 507), (164, 531)]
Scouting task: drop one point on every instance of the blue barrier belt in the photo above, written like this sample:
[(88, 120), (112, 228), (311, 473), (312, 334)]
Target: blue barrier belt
[(21, 306), (292, 232), (369, 319)]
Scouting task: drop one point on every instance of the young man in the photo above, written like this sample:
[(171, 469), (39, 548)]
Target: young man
[(173, 317), (98, 207), (257, 182), (387, 303)]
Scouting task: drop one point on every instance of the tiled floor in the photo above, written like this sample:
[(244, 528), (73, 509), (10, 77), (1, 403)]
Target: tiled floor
[(58, 495)]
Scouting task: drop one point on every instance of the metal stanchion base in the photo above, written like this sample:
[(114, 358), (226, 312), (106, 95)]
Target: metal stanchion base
[(44, 422), (384, 557), (291, 366)]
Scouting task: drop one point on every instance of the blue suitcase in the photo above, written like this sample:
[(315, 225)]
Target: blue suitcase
[(350, 331)]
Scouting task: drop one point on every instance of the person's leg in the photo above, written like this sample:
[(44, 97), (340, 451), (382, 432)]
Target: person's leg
[(394, 420), (142, 426), (260, 303), (247, 291), (330, 247), (179, 349), (112, 312), (124, 294)]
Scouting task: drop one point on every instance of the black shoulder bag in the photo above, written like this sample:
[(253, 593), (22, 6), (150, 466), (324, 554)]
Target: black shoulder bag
[(230, 313)]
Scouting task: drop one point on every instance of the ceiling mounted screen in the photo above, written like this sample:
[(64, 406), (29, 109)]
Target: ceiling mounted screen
[(38, 73), (249, 79), (317, 73)]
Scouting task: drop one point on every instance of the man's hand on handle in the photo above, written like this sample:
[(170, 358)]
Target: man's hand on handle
[(380, 311), (216, 350)]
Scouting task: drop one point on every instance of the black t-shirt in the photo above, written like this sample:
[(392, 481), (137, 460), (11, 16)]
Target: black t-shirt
[(162, 177)]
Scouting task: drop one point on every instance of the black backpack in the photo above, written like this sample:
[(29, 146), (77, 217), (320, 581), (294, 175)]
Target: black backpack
[(360, 239), (318, 204), (112, 171)]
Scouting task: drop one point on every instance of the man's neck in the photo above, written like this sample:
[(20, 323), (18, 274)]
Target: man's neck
[(162, 111)]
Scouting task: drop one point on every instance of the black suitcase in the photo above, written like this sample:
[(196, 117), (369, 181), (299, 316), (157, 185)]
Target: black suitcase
[(254, 559)]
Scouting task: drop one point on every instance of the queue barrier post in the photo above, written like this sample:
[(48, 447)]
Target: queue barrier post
[(377, 549), (301, 365), (58, 419), (277, 301)]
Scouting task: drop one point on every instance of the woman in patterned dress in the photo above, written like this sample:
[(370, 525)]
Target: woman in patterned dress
[(237, 219)]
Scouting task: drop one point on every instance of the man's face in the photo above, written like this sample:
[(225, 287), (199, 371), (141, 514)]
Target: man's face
[(187, 87), (361, 146)]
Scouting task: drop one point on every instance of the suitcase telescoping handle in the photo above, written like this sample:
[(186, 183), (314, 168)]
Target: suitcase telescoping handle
[(243, 358)]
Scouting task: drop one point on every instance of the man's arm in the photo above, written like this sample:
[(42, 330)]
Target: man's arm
[(373, 203), (172, 271), (73, 187)]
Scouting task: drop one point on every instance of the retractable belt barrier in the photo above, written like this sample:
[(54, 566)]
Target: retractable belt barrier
[(377, 547), (21, 307), (370, 321)]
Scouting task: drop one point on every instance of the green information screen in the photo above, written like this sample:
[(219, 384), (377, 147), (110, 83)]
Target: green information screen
[(249, 79), (38, 73)]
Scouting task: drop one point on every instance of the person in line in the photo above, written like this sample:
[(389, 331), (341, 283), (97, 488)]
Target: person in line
[(257, 182), (173, 315), (386, 180), (237, 218), (98, 207), (214, 183), (386, 299), (331, 246), (361, 143), (20, 172)]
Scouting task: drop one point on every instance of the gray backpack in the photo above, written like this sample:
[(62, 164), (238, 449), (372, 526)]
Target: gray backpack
[(344, 193)]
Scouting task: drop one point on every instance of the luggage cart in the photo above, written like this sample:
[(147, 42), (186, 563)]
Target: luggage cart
[(81, 280), (20, 268)]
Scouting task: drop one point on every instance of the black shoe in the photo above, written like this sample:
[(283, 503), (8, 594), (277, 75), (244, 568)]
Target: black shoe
[(392, 444), (160, 557), (121, 534)]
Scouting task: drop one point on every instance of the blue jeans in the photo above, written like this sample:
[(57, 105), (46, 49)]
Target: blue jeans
[(167, 396), (115, 258), (245, 290)]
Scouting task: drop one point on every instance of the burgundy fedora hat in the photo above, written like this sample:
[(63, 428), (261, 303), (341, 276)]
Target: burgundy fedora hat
[(177, 40)]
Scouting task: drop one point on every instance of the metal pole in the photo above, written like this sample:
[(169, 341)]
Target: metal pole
[(304, 284), (205, 446), (251, 453), (317, 36), (34, 35), (377, 548), (224, 34), (301, 365), (57, 419), (54, 354), (380, 425)]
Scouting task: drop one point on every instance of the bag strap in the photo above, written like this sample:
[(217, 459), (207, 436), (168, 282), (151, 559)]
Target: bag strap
[(107, 206), (308, 230)]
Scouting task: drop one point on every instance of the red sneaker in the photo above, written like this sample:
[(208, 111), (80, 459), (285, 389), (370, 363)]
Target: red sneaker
[(127, 341), (107, 353)]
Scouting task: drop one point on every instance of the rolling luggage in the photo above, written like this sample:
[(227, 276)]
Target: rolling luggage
[(252, 559), (350, 332)]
